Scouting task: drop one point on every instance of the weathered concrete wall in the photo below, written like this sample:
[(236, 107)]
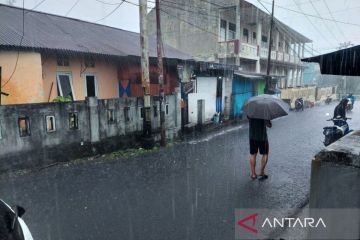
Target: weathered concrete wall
[(335, 177), (98, 130), (202, 30), (25, 71), (311, 94), (323, 93)]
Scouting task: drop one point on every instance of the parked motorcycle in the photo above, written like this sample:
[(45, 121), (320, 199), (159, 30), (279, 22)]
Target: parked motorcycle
[(337, 131), (12, 227), (299, 104), (328, 100)]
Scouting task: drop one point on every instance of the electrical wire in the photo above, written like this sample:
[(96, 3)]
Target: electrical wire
[(76, 3), (314, 16), (37, 5), (279, 25), (18, 52), (109, 14), (332, 17), (330, 31)]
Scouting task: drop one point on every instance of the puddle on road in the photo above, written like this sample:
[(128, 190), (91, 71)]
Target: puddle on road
[(211, 136)]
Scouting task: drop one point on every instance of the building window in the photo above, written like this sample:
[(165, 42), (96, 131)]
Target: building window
[(63, 61), (64, 84), (245, 35), (24, 126), (264, 41), (167, 109), (254, 37), (73, 121), (89, 62), (232, 31), (155, 111), (127, 114), (142, 113), (91, 85), (50, 124), (110, 116), (222, 30)]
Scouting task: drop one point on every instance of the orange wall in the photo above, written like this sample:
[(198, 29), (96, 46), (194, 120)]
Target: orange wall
[(132, 72), (26, 85), (105, 72)]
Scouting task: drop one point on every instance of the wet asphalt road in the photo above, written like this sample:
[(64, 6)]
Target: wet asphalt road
[(188, 191)]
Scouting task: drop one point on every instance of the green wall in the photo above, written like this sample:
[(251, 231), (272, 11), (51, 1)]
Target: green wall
[(260, 87)]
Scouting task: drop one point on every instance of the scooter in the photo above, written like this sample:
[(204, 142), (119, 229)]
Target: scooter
[(299, 104), (328, 100), (337, 131), (12, 226)]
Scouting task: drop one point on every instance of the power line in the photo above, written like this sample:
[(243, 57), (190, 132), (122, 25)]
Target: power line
[(37, 5), (114, 10), (330, 31), (314, 16), (67, 13), (314, 26), (285, 30), (108, 3), (332, 17), (18, 52)]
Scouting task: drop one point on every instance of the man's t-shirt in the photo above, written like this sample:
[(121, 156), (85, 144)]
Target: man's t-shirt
[(257, 129)]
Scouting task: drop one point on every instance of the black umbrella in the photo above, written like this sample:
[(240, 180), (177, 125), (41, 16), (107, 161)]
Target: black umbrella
[(266, 107)]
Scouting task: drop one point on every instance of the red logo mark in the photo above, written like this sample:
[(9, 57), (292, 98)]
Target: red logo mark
[(242, 223)]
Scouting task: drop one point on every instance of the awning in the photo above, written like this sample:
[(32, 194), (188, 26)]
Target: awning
[(256, 76), (345, 62)]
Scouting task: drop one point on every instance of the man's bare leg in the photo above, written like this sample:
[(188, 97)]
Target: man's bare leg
[(264, 161), (252, 165)]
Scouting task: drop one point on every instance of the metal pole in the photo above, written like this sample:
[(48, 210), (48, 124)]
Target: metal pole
[(267, 84), (161, 74), (145, 79), (0, 86)]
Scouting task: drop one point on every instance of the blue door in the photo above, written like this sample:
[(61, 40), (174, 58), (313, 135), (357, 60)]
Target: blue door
[(242, 90)]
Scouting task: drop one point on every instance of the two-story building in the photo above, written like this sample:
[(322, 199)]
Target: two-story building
[(224, 32), (234, 33)]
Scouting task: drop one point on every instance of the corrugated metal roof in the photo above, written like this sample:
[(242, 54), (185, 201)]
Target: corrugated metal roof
[(48, 31), (344, 62)]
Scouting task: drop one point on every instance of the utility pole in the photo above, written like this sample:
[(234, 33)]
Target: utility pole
[(268, 78), (0, 86), (145, 79), (161, 73)]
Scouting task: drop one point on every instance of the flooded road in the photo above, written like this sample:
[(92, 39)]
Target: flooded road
[(187, 191)]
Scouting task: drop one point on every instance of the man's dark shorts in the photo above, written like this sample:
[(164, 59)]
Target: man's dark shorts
[(259, 146)]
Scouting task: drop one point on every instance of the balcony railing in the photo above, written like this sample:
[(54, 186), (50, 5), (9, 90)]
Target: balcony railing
[(286, 57), (264, 53), (273, 55), (248, 51), (228, 48), (292, 59)]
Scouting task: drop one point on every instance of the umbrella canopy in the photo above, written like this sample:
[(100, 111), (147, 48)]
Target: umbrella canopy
[(266, 107)]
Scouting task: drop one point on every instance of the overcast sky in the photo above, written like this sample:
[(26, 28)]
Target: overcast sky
[(326, 35)]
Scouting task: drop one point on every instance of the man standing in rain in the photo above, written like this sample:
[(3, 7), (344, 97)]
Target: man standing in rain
[(258, 143), (260, 110)]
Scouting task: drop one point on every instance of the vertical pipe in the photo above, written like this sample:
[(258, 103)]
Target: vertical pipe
[(269, 53), (147, 134), (161, 73)]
